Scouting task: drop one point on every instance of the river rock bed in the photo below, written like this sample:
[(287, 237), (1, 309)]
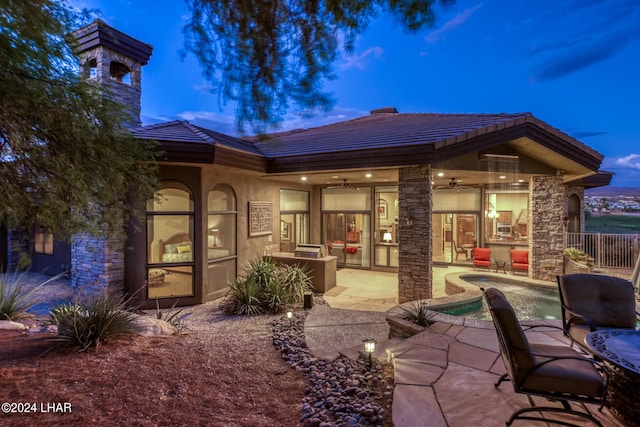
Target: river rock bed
[(341, 393)]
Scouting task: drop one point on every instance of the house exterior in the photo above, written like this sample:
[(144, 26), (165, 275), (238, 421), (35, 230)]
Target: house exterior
[(388, 192)]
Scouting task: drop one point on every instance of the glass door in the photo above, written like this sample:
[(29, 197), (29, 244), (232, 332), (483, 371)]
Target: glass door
[(347, 236), (454, 237)]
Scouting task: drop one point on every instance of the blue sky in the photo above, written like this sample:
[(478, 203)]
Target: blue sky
[(573, 63)]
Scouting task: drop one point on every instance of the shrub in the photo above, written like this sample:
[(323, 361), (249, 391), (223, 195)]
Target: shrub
[(578, 255), (418, 312), (92, 323), (267, 288), (17, 295)]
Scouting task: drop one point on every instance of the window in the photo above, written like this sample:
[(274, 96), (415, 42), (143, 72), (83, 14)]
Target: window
[(120, 72), (294, 219), (575, 205), (170, 242), (506, 216), (43, 241), (221, 237)]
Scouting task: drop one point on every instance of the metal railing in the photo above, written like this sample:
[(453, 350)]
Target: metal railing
[(607, 250)]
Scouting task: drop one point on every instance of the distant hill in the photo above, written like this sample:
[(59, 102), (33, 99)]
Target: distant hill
[(613, 191)]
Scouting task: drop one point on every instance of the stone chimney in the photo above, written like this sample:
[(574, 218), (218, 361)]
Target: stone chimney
[(115, 59)]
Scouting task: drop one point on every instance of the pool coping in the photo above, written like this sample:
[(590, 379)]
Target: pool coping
[(459, 292)]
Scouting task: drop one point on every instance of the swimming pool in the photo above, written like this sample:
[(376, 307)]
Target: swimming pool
[(530, 302)]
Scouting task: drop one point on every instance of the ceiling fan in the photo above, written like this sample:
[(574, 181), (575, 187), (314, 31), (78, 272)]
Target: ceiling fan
[(344, 184), (452, 184)]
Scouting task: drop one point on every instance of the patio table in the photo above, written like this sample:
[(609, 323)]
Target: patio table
[(620, 351), (501, 264)]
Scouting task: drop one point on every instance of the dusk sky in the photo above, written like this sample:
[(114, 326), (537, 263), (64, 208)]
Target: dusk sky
[(573, 63)]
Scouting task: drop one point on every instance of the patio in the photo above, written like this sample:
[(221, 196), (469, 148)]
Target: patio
[(444, 376)]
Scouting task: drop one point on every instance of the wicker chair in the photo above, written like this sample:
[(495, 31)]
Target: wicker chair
[(555, 372)]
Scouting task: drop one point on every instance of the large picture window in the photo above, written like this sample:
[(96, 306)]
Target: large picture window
[(170, 242)]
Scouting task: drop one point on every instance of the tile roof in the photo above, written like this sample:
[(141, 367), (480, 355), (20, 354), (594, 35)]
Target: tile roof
[(185, 132), (383, 130)]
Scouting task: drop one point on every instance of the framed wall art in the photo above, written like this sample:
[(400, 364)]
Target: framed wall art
[(260, 218)]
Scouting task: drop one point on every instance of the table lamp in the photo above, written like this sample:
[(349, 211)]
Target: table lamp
[(387, 237)]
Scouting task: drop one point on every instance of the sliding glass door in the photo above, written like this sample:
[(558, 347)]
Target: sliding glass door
[(346, 225)]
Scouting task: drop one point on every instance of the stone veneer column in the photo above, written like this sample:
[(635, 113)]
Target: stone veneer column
[(415, 276), (547, 201), (97, 264)]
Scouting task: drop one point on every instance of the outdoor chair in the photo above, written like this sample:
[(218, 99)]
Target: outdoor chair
[(481, 258), (519, 260), (593, 301), (555, 372)]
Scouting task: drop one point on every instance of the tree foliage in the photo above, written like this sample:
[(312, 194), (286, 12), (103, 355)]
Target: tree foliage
[(268, 56), (66, 161)]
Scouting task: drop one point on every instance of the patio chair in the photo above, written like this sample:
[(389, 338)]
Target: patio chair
[(481, 257), (554, 372), (594, 301), (519, 260)]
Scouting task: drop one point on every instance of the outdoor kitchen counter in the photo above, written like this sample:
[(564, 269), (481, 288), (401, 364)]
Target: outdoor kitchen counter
[(321, 270)]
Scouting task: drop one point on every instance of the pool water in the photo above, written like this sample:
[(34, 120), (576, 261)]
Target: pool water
[(529, 302)]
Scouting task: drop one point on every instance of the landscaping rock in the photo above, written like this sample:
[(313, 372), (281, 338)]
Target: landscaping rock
[(9, 325), (150, 327), (340, 392)]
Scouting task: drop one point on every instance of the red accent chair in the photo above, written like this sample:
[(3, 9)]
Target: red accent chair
[(519, 260), (481, 257)]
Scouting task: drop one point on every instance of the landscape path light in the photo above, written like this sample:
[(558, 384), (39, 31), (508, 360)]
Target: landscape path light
[(290, 316), (369, 347)]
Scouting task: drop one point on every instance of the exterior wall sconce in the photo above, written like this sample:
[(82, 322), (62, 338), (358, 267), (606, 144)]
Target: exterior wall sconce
[(369, 347)]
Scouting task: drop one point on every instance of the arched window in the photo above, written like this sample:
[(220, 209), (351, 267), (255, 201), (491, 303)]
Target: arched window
[(120, 72), (90, 69), (574, 214), (221, 237), (170, 242)]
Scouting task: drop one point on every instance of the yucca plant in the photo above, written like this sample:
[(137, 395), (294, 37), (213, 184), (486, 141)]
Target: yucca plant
[(62, 310), (418, 312), (101, 318), (243, 298), (296, 279), (267, 288), (17, 295), (262, 272)]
